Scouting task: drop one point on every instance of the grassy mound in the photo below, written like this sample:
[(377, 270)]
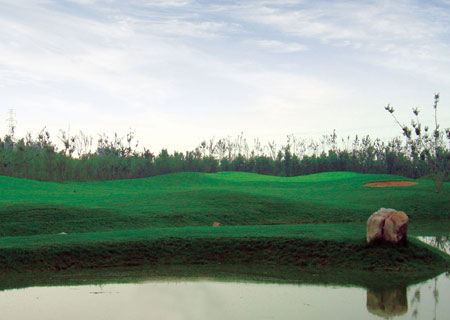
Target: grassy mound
[(163, 220), (195, 199), (308, 247)]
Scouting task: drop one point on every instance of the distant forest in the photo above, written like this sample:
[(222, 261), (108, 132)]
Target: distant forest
[(79, 158)]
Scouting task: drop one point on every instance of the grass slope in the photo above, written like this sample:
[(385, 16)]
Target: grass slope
[(166, 220), (308, 247), (194, 199)]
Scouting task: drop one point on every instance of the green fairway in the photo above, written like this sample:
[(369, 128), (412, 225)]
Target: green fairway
[(198, 199), (113, 223)]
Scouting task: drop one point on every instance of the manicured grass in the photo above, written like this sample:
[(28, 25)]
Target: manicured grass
[(196, 199), (314, 222), (309, 232)]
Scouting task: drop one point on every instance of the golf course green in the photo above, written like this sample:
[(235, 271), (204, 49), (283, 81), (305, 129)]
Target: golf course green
[(314, 222)]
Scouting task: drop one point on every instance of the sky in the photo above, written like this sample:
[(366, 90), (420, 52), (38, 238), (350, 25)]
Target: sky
[(179, 71)]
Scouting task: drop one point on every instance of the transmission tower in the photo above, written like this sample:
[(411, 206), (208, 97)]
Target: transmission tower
[(11, 121)]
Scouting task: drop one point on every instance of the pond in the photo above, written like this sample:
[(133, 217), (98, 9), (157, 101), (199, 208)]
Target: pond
[(440, 242), (211, 299), (219, 293)]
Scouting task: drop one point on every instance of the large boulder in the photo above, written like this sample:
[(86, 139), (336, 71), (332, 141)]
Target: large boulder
[(387, 225)]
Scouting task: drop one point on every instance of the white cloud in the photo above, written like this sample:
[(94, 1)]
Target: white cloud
[(177, 70), (400, 35), (279, 46)]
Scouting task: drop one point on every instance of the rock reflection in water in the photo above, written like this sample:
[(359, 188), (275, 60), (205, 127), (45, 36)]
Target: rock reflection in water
[(387, 302), (221, 300)]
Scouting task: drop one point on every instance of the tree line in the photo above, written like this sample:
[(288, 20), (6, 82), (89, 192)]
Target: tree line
[(39, 157), (422, 151)]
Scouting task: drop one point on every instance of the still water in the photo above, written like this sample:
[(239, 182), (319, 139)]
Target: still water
[(206, 299), (440, 242), (212, 299)]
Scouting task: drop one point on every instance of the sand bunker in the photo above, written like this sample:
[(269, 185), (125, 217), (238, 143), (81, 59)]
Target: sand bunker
[(398, 183)]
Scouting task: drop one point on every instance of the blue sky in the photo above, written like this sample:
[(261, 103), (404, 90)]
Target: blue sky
[(178, 71)]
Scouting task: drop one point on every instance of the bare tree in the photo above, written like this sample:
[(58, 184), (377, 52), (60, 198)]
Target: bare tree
[(221, 148), (424, 144), (11, 120), (211, 147), (68, 142), (273, 148), (313, 146), (258, 147), (83, 144)]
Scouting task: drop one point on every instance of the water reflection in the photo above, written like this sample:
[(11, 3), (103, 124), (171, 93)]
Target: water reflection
[(387, 302), (440, 242), (431, 287), (209, 299)]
